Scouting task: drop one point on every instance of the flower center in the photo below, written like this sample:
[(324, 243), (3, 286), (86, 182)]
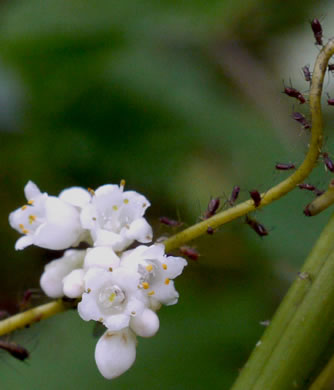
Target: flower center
[(147, 272), (111, 296)]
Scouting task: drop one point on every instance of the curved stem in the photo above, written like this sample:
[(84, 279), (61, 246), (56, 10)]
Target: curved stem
[(286, 185), (288, 349), (31, 316)]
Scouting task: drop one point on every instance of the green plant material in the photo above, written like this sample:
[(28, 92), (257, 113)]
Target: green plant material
[(287, 311), (322, 202), (325, 379)]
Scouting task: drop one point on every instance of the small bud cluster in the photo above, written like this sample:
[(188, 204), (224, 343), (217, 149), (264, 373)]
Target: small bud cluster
[(120, 288)]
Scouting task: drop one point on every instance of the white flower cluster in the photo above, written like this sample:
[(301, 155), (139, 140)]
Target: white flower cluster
[(122, 289)]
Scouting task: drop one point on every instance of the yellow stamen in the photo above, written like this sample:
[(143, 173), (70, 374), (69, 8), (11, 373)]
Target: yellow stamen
[(31, 201), (164, 266), (167, 281), (112, 297), (91, 191), (144, 204), (151, 293), (145, 285), (32, 218), (24, 207), (21, 226), (25, 231), (122, 184), (149, 267), (115, 207), (88, 290), (126, 201), (110, 269)]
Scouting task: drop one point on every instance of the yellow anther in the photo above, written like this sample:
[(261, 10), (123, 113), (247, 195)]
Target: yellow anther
[(21, 226), (24, 207), (122, 183), (112, 297), (110, 269), (149, 267), (151, 293), (88, 290), (167, 281), (31, 201), (94, 219), (25, 231), (144, 204), (126, 201), (115, 208), (32, 218), (145, 285), (91, 191), (164, 266)]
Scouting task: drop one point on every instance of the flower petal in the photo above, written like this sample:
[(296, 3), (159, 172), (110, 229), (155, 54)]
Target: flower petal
[(165, 293), (115, 353), (108, 238), (102, 257), (126, 279), (136, 205), (88, 217), (31, 191), (117, 322), (76, 196), (55, 271), (140, 230), (146, 324), (88, 309), (23, 242), (155, 251), (73, 283), (51, 236), (174, 265)]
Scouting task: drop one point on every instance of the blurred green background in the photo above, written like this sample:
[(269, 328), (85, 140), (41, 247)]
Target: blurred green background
[(183, 100)]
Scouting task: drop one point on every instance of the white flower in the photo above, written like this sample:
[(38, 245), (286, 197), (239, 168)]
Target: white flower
[(146, 324), (157, 272), (76, 196), (46, 221), (57, 270), (112, 297), (73, 283), (101, 257), (115, 353), (115, 218)]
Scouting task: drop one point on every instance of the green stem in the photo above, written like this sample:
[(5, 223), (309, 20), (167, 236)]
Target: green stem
[(286, 312), (267, 365), (28, 317), (286, 185), (305, 338), (325, 380)]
